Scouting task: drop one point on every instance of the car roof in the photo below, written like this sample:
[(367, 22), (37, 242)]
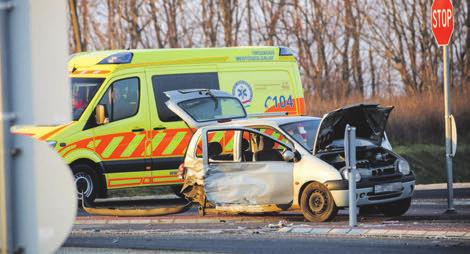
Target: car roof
[(270, 121)]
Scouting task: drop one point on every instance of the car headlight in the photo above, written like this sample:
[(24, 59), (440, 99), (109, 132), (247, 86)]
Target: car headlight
[(51, 143), (403, 166), (356, 175)]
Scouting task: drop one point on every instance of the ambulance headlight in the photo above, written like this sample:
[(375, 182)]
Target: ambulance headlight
[(345, 175), (51, 143), (403, 166)]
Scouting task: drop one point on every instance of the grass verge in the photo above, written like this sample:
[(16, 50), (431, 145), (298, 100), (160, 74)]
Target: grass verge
[(429, 163)]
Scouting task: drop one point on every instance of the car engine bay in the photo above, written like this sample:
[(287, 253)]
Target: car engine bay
[(372, 162)]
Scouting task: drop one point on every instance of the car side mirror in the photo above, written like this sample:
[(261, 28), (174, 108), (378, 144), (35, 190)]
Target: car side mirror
[(288, 155), (99, 115), (297, 156)]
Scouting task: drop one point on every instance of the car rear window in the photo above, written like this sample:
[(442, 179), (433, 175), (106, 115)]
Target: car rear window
[(163, 83)]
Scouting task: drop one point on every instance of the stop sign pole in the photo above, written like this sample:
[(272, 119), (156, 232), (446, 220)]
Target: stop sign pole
[(442, 20)]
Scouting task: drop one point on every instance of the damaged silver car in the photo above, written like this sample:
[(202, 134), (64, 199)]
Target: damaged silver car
[(238, 165)]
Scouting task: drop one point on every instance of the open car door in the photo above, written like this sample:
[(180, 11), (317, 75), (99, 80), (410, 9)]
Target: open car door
[(255, 172), (203, 107)]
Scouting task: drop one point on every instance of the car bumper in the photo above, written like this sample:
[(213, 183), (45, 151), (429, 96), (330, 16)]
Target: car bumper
[(365, 194)]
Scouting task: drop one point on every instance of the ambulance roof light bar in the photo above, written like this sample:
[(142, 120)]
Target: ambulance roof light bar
[(118, 58), (285, 51)]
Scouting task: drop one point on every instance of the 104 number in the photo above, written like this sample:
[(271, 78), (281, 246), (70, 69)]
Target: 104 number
[(279, 101)]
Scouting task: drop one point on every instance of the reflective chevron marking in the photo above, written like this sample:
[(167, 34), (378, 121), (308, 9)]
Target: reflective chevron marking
[(181, 148), (135, 181), (172, 142), (176, 140), (112, 146), (132, 146), (139, 150)]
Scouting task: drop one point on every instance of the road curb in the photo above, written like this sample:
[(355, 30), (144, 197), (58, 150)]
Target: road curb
[(372, 232), (173, 220)]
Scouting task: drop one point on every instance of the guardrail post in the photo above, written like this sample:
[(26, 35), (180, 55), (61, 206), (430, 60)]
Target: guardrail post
[(33, 90), (350, 157)]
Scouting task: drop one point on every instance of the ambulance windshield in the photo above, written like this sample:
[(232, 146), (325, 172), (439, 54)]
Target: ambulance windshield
[(83, 90)]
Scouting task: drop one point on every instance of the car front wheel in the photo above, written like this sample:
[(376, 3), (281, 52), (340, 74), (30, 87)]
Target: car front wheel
[(317, 203), (86, 182), (396, 208)]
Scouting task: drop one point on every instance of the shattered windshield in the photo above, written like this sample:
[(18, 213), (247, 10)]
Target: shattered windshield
[(83, 90), (213, 108), (303, 132)]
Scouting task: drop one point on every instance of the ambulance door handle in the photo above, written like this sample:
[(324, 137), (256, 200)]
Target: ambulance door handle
[(138, 130), (159, 128)]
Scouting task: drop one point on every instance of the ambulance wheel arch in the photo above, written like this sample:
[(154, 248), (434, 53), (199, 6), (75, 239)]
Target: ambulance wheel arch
[(88, 179)]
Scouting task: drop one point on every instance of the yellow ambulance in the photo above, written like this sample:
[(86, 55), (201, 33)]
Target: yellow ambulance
[(123, 135)]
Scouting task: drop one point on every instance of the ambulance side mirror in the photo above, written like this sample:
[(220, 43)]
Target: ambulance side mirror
[(99, 115)]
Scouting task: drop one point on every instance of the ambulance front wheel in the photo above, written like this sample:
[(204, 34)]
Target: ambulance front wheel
[(86, 182), (177, 190)]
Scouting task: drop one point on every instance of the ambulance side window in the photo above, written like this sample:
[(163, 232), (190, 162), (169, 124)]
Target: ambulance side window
[(121, 100)]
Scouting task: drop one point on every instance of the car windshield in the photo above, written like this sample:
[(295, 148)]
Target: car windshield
[(304, 132), (83, 90), (213, 108)]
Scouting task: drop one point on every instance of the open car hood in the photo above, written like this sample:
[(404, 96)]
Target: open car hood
[(369, 119), (204, 107)]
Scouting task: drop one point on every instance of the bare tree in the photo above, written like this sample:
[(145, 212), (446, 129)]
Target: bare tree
[(76, 31)]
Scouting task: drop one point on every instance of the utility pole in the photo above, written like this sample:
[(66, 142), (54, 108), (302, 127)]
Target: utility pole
[(350, 156), (442, 23), (5, 141), (33, 90)]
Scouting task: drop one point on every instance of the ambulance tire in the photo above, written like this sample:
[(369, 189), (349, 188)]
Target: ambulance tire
[(86, 181), (317, 203), (177, 190), (396, 208)]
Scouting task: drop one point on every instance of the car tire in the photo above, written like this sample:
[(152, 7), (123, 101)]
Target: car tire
[(397, 208), (317, 203), (86, 181)]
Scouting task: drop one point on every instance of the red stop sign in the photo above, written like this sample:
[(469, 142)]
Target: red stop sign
[(442, 21)]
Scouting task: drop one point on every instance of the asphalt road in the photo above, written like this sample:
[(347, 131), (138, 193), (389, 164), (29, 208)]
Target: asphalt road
[(419, 197), (226, 243), (427, 209)]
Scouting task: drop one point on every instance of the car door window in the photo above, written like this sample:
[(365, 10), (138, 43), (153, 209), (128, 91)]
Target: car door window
[(121, 100), (219, 147), (275, 134), (256, 147)]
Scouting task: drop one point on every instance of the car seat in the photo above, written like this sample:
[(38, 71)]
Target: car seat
[(247, 154), (266, 151)]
